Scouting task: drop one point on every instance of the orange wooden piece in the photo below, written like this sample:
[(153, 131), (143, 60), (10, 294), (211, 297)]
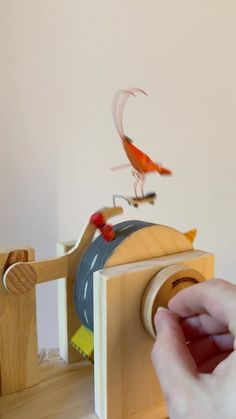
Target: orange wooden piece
[(140, 161)]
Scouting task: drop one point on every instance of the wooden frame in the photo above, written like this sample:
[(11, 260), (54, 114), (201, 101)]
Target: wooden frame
[(18, 335), (125, 298), (68, 320)]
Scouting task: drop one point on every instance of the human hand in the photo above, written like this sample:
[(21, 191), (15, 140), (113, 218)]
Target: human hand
[(198, 378)]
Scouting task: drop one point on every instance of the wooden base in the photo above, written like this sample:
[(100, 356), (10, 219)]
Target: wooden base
[(65, 392)]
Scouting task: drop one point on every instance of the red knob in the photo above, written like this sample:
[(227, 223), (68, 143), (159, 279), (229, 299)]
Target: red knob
[(106, 229), (97, 219), (107, 232)]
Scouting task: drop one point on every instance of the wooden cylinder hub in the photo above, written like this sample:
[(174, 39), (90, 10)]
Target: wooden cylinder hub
[(163, 286), (20, 278)]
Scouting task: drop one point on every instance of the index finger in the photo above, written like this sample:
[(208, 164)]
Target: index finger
[(216, 297)]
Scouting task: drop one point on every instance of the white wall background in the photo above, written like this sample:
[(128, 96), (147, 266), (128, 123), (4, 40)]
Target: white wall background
[(61, 62)]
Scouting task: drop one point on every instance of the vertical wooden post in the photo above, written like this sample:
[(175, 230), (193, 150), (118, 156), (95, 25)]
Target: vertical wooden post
[(126, 386), (68, 321), (125, 381), (18, 333)]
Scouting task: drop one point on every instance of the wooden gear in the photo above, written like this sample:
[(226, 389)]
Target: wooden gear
[(143, 272)]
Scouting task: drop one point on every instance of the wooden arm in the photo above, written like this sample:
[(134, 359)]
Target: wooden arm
[(21, 277)]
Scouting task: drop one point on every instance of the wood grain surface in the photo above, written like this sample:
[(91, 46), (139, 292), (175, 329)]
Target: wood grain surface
[(65, 392), (18, 336)]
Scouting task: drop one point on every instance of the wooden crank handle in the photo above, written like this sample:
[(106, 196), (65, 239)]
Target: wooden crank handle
[(21, 277), (111, 212)]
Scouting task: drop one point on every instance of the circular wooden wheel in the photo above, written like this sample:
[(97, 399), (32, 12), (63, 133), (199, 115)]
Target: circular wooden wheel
[(20, 278), (163, 286)]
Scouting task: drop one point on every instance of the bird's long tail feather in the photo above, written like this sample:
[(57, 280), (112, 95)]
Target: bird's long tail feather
[(118, 104)]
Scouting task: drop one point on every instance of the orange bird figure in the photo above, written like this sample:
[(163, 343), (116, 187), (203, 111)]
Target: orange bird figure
[(141, 162)]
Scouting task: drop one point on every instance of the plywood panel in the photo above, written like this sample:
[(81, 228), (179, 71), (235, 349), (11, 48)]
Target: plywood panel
[(125, 381)]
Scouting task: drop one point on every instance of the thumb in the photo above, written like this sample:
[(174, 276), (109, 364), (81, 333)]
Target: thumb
[(172, 360)]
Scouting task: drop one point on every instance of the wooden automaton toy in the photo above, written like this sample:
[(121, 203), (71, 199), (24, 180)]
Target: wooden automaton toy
[(120, 279), (116, 282)]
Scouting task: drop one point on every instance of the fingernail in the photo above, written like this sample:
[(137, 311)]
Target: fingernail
[(156, 319), (161, 308)]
